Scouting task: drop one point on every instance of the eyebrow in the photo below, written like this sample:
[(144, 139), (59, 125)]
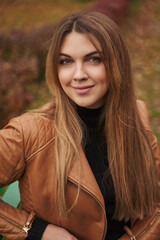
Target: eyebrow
[(87, 55)]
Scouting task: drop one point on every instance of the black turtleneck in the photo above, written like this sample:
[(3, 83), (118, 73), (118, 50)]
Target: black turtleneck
[(95, 148)]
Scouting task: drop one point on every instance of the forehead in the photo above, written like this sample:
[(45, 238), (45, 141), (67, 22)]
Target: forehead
[(75, 42)]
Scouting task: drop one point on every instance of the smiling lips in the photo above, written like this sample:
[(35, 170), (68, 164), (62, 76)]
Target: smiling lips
[(83, 89)]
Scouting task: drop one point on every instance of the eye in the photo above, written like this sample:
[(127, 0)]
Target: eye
[(65, 61), (95, 59)]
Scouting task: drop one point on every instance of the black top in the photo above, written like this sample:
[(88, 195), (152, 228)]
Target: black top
[(95, 148)]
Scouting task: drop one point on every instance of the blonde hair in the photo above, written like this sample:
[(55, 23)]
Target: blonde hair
[(129, 151)]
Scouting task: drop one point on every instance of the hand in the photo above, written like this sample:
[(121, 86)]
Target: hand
[(57, 233)]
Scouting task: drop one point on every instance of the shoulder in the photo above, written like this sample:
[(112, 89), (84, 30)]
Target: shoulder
[(34, 121), (144, 114), (35, 129), (31, 121)]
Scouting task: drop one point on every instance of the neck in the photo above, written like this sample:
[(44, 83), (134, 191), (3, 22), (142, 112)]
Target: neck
[(89, 116)]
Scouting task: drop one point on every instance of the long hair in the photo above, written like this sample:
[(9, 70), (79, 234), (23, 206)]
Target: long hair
[(129, 151)]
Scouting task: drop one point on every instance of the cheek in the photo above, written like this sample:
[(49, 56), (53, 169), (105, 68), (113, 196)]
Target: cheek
[(102, 81), (103, 77), (64, 76), (99, 74)]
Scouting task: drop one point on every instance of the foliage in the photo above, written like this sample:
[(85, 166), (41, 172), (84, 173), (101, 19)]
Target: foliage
[(143, 36), (22, 61), (15, 76), (116, 10)]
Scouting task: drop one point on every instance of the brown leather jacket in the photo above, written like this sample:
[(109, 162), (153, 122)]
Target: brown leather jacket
[(27, 155)]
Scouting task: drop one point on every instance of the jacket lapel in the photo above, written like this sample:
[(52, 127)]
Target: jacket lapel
[(88, 181)]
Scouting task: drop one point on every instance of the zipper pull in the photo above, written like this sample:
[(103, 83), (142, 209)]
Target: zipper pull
[(28, 224), (26, 227)]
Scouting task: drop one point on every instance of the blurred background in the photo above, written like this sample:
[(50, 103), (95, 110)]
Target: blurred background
[(26, 27)]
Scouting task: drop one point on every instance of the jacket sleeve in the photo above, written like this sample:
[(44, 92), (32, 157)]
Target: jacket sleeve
[(37, 229), (14, 223)]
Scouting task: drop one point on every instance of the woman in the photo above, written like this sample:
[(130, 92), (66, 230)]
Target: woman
[(86, 162)]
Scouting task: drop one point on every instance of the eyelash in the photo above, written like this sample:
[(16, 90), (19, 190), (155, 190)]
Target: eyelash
[(65, 61), (93, 59)]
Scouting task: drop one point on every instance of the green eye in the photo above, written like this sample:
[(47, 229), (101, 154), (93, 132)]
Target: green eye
[(65, 61), (95, 59)]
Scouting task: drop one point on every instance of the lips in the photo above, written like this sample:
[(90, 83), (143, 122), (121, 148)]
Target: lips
[(83, 89)]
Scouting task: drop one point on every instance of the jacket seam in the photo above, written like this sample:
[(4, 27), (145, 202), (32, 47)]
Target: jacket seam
[(22, 137), (40, 149)]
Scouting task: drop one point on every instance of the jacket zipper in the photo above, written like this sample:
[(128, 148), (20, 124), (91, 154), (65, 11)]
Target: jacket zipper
[(105, 228), (149, 225), (24, 228)]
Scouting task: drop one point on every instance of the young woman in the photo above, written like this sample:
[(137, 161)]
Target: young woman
[(87, 163)]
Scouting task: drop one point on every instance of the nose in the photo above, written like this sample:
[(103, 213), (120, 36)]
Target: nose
[(80, 73)]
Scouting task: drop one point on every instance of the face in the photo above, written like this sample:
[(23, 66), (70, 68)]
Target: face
[(81, 70)]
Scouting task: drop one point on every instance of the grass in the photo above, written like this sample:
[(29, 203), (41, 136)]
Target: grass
[(29, 14)]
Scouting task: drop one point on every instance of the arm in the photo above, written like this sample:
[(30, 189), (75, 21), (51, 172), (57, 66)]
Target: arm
[(45, 231), (14, 223), (20, 224), (37, 229)]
